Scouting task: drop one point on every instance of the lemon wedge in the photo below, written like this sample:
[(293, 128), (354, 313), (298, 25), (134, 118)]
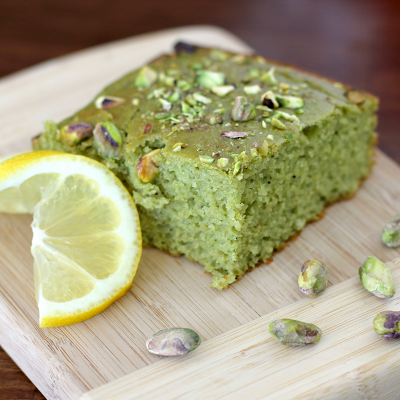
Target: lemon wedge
[(86, 232)]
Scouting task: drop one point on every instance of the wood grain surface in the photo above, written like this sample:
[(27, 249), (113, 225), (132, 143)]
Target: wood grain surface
[(350, 362), (353, 41)]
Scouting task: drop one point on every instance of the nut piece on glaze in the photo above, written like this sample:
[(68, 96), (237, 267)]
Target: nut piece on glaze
[(290, 101), (209, 79), (313, 278), (268, 99), (173, 342), (243, 110), (386, 324), (147, 169), (355, 96), (376, 277), (146, 77), (294, 333), (107, 140), (75, 133), (107, 102), (391, 232)]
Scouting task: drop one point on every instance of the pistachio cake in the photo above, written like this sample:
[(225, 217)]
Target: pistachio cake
[(226, 155)]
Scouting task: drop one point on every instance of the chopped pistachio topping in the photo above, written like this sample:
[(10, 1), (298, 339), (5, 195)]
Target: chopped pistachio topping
[(218, 55), (286, 116), (219, 111), (146, 77), (206, 159), (237, 167), (278, 124), (75, 133), (147, 169), (269, 77), (174, 97), (284, 86), (166, 105), (186, 109), (355, 96), (234, 134), (268, 99), (290, 101), (135, 102), (213, 119), (107, 102), (184, 85), (254, 73), (239, 59), (222, 162), (147, 129), (254, 89), (263, 124), (162, 116), (201, 99), (242, 110), (107, 140), (209, 79), (222, 91), (264, 148)]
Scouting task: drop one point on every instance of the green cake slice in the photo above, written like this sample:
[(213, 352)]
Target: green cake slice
[(226, 155)]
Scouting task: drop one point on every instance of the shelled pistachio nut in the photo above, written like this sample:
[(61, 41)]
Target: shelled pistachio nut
[(313, 278), (294, 333), (146, 168), (173, 342), (387, 324), (376, 277), (391, 232), (107, 140), (243, 110), (75, 133)]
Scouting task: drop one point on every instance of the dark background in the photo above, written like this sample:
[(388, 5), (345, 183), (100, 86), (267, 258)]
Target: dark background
[(354, 41)]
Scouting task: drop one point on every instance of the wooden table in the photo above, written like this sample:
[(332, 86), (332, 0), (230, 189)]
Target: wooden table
[(352, 41)]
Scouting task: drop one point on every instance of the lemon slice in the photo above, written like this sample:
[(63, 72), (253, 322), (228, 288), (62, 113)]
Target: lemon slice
[(86, 232)]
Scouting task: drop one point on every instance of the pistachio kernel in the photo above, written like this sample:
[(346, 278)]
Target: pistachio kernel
[(218, 55), (263, 150), (376, 277), (243, 110), (237, 167), (268, 99), (278, 124), (206, 159), (213, 119), (178, 146), (222, 162), (386, 324), (391, 232), (290, 101), (146, 77), (294, 333), (147, 169), (222, 91), (269, 77), (147, 129), (107, 102), (107, 140), (173, 342), (166, 105), (355, 96), (219, 111), (254, 89), (254, 73), (313, 278), (75, 133), (201, 99), (209, 79), (234, 134)]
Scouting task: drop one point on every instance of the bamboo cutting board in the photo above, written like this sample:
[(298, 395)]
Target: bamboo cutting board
[(105, 357)]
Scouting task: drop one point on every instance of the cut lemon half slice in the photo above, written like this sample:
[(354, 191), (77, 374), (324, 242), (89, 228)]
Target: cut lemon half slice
[(86, 232)]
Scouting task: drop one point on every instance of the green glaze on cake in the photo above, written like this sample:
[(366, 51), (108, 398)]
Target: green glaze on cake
[(249, 151)]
